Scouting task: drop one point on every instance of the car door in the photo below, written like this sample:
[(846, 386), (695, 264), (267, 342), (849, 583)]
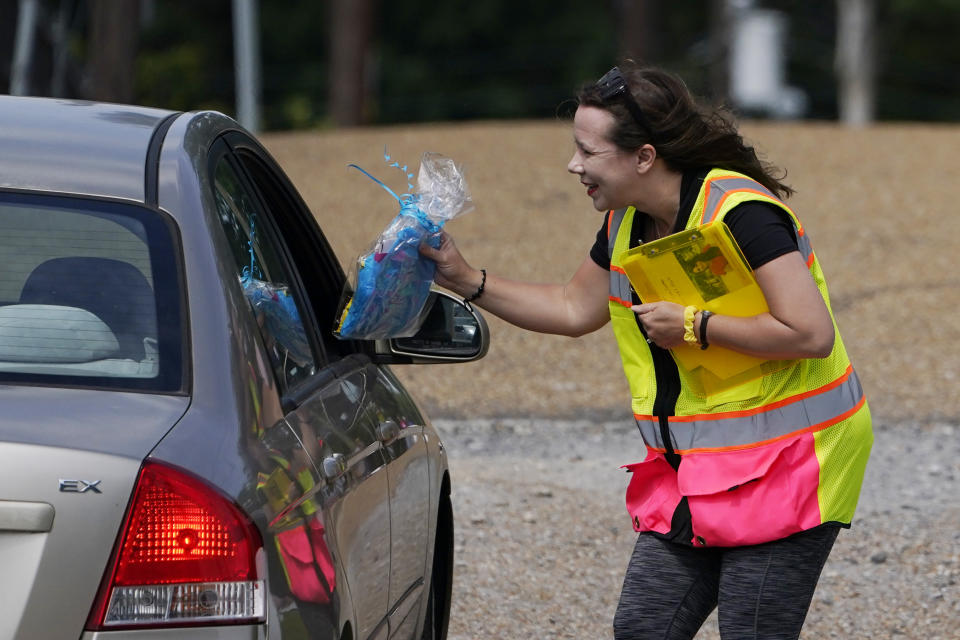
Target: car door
[(387, 410), (332, 539), (399, 426)]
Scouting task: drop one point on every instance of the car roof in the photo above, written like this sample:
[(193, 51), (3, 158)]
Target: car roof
[(77, 147)]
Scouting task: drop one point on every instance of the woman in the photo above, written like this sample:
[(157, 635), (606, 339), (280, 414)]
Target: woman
[(742, 492)]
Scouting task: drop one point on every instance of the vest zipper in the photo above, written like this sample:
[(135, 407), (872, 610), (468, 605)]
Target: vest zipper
[(665, 368), (668, 392), (665, 404)]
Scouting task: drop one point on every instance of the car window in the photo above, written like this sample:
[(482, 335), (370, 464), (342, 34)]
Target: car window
[(266, 280), (320, 272), (89, 294)]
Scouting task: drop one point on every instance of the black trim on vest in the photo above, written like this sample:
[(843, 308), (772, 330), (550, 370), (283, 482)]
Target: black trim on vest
[(664, 366), (668, 392)]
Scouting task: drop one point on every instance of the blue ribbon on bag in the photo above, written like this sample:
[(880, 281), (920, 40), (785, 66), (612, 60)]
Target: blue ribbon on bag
[(409, 202)]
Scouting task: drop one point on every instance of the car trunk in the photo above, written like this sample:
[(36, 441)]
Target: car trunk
[(70, 458)]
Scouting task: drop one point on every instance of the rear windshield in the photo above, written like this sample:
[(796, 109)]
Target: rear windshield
[(89, 295)]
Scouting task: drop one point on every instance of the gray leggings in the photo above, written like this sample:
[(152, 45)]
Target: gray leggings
[(763, 591)]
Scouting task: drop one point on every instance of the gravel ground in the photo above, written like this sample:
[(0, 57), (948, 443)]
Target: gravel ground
[(542, 536)]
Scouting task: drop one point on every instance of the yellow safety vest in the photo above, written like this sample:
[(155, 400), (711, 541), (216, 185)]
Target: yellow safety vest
[(772, 456)]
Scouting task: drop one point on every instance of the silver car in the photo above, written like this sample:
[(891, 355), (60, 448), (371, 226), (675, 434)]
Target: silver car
[(186, 450)]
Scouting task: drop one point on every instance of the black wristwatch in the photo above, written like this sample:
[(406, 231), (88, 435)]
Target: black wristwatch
[(704, 316)]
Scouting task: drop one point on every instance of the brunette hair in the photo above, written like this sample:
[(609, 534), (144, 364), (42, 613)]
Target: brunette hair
[(686, 134)]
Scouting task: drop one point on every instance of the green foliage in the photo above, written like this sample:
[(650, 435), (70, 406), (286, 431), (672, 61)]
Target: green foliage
[(186, 57), (919, 60), (470, 59), (175, 78), (492, 59), (294, 44)]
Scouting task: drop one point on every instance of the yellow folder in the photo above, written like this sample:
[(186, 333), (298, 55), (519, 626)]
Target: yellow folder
[(705, 268)]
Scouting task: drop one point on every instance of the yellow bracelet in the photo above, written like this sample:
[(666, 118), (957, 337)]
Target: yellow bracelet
[(688, 335)]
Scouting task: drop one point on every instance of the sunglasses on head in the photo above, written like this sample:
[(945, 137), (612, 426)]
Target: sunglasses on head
[(612, 86)]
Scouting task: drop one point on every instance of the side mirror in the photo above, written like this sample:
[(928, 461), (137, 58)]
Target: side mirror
[(451, 332)]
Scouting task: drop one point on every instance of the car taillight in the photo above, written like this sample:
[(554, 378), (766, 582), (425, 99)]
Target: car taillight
[(186, 555)]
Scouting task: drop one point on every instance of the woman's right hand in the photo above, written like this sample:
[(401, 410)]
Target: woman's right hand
[(453, 272)]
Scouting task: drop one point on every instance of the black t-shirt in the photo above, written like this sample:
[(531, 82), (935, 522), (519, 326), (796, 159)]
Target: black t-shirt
[(762, 230)]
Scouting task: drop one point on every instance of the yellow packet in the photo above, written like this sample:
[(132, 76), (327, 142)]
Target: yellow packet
[(705, 268)]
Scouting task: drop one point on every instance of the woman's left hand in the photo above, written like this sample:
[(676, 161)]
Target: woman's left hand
[(663, 322)]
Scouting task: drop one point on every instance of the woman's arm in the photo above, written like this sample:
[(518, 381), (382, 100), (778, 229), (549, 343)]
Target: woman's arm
[(797, 326), (572, 309)]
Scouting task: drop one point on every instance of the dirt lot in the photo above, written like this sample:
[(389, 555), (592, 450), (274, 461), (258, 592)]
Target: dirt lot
[(878, 204)]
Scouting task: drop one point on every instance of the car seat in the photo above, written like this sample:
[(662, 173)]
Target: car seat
[(115, 291)]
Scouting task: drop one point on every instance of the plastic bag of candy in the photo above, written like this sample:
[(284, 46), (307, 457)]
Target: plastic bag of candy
[(389, 284), (274, 306)]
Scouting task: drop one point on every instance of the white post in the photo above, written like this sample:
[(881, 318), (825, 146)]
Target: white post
[(23, 47), (758, 64), (246, 56), (854, 61)]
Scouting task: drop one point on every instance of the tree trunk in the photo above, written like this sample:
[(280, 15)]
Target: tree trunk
[(8, 30), (22, 68), (112, 47), (351, 27), (855, 61), (719, 65), (637, 33)]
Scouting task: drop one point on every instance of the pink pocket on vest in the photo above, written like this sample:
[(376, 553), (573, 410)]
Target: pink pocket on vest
[(753, 495), (652, 494)]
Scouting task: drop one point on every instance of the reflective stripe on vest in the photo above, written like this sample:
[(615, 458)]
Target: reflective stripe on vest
[(620, 291), (614, 220), (718, 189), (810, 411), (803, 244)]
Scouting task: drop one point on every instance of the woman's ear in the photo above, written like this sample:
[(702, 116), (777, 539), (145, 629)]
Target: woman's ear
[(645, 157)]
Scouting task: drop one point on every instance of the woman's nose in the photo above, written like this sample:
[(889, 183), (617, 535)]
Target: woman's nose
[(575, 166)]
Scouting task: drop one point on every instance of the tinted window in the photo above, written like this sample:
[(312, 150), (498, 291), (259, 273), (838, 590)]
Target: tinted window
[(320, 273), (264, 276), (88, 295)]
